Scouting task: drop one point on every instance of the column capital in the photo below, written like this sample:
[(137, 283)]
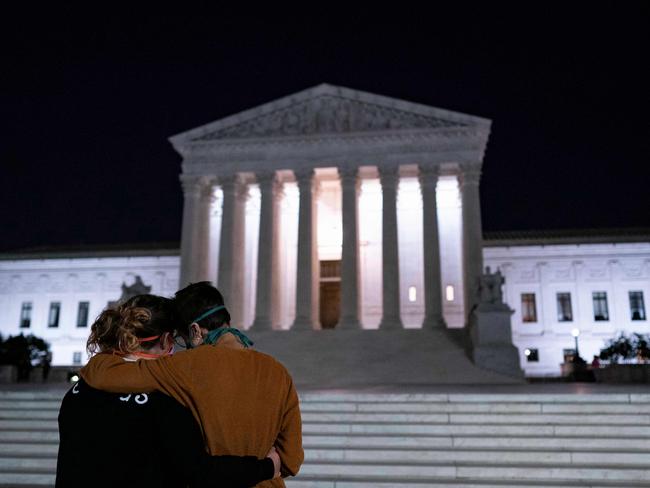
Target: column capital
[(206, 186), (388, 174), (469, 175), (349, 176), (304, 174), (428, 175), (190, 184)]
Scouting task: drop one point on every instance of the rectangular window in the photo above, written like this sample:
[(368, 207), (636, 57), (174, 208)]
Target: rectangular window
[(532, 355), (528, 307), (601, 313), (53, 317), (76, 357), (26, 315), (449, 293), (564, 312), (82, 314), (637, 307)]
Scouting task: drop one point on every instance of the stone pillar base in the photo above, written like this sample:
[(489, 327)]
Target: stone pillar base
[(491, 336), (391, 324), (349, 324), (261, 325), (434, 323), (302, 324)]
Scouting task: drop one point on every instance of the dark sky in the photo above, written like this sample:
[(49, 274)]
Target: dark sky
[(89, 99)]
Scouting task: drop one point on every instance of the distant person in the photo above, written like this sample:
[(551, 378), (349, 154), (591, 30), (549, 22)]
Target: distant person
[(46, 364), (140, 439), (245, 400), (595, 362)]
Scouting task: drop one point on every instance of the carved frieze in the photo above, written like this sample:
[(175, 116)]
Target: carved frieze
[(328, 114)]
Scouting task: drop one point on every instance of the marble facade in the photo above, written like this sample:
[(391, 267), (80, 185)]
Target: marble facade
[(359, 162)]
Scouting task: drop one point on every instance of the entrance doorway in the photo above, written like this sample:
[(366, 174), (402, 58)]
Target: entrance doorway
[(330, 293)]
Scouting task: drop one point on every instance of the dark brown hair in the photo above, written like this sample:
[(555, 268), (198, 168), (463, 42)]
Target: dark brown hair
[(196, 299), (121, 329)]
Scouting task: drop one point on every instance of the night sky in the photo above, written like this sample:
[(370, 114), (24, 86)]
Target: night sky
[(88, 101)]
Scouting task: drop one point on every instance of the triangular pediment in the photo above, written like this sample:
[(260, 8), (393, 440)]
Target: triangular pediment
[(327, 110)]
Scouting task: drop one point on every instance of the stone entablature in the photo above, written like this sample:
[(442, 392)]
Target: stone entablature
[(330, 126)]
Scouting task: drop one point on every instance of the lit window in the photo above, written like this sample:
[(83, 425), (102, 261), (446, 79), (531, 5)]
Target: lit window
[(564, 311), (55, 311), (82, 314), (76, 357), (601, 312), (637, 307), (449, 293), (532, 355), (528, 307), (26, 315), (412, 294)]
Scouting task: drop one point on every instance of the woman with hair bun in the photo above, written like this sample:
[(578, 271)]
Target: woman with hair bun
[(141, 439)]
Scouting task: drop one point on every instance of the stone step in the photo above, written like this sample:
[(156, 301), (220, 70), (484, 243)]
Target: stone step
[(33, 425), (486, 457), (29, 414), (411, 455), (26, 479), (418, 418), (523, 473), (524, 408), (30, 404), (29, 436), (326, 396), (40, 407), (489, 442), (306, 482), (458, 418), (36, 395), (19, 463), (411, 430), (11, 449), (606, 398), (477, 429)]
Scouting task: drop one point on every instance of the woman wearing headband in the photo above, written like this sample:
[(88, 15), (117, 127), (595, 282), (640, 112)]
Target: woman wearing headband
[(141, 439), (245, 400)]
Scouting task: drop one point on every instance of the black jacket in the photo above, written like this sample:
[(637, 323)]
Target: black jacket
[(141, 440)]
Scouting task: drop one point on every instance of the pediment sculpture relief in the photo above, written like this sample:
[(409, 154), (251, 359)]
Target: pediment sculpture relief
[(328, 114)]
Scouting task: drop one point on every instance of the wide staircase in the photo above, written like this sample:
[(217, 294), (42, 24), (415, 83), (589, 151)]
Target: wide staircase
[(358, 440)]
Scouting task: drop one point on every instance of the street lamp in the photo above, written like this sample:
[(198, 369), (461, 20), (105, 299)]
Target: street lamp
[(575, 333)]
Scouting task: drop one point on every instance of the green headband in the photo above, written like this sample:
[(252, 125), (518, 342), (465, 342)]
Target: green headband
[(208, 313)]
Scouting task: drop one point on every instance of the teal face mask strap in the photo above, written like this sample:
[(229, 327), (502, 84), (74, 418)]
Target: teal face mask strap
[(188, 343), (208, 313)]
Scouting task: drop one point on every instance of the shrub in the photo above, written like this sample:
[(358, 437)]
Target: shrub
[(624, 347)]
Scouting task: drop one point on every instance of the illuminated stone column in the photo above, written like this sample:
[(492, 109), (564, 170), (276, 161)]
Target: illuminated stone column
[(472, 234), (268, 257), (195, 233), (350, 289), (391, 318), (307, 271), (206, 199), (433, 317), (232, 245)]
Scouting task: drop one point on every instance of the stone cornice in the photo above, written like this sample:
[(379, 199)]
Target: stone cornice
[(432, 139)]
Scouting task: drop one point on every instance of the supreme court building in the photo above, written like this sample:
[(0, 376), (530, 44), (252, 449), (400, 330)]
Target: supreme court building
[(335, 208), (334, 205)]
